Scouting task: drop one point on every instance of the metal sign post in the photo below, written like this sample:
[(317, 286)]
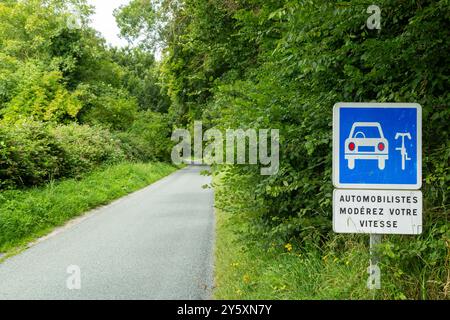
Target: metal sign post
[(374, 281)]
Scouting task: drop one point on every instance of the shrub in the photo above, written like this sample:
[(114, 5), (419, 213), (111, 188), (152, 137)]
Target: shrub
[(41, 94), (107, 106), (86, 147), (32, 153), (29, 155)]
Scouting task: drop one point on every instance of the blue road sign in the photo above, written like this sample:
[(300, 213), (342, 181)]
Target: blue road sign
[(377, 146)]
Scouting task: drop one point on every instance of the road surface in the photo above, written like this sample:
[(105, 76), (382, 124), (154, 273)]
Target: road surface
[(153, 244)]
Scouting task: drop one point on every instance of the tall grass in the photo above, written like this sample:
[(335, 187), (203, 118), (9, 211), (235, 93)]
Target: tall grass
[(251, 266), (269, 271)]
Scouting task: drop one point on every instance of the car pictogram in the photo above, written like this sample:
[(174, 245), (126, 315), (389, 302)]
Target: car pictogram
[(366, 142)]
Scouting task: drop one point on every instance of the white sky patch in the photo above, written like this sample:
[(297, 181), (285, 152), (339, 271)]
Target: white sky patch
[(104, 21)]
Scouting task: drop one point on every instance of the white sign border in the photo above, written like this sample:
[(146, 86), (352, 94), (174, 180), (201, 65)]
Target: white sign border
[(336, 140)]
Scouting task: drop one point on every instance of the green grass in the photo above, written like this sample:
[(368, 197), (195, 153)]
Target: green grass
[(273, 272), (28, 214), (248, 266)]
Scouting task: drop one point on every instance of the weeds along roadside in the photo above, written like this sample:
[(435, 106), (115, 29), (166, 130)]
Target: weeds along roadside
[(254, 260)]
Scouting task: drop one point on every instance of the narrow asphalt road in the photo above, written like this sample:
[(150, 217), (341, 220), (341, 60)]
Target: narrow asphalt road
[(156, 243)]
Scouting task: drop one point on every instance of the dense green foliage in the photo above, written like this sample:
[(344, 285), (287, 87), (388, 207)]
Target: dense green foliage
[(33, 153), (68, 102), (148, 138), (283, 64)]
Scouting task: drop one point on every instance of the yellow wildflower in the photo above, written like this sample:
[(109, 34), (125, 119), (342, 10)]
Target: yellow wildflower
[(288, 247)]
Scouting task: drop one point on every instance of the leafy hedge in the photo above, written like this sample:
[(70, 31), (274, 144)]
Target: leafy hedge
[(32, 152), (28, 155)]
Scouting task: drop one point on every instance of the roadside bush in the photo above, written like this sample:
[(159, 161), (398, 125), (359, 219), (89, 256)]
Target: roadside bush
[(32, 153), (86, 147), (29, 155)]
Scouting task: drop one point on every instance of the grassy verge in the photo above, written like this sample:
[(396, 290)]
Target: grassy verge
[(28, 214), (283, 272), (250, 266)]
